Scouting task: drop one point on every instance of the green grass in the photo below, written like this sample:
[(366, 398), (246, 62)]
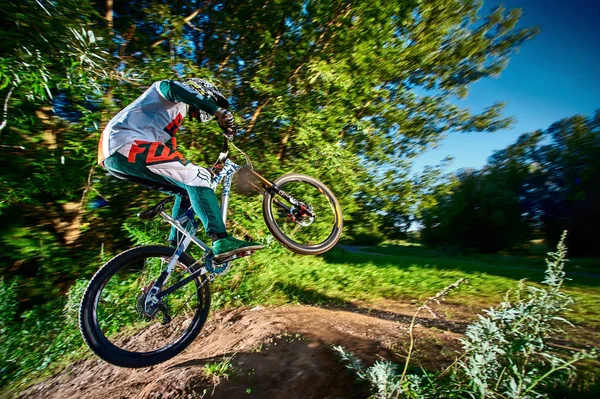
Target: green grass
[(403, 273), (406, 274), (578, 265), (219, 370)]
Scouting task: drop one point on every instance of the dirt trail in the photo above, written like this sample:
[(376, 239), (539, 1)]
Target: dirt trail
[(281, 352)]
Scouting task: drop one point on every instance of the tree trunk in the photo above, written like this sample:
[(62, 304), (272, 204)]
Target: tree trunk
[(255, 116), (109, 16), (283, 144)]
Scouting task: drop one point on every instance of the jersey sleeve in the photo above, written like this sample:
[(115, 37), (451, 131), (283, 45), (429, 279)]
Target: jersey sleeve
[(177, 92)]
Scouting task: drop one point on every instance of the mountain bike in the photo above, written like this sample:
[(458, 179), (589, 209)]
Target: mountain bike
[(149, 303)]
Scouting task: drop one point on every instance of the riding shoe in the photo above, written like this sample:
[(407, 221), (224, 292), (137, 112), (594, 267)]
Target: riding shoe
[(229, 246)]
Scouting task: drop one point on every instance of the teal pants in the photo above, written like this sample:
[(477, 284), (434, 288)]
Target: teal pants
[(203, 199)]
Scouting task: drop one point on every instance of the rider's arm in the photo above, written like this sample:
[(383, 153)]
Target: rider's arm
[(177, 92)]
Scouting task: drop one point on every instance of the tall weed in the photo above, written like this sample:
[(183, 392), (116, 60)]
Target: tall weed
[(506, 355)]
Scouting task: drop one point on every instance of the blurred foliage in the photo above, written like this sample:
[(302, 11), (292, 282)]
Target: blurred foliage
[(546, 181), (42, 336), (347, 92)]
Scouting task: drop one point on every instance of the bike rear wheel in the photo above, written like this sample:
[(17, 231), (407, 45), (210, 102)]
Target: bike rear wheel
[(305, 217), (114, 322)]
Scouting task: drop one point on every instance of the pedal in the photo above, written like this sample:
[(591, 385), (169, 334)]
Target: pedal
[(233, 257)]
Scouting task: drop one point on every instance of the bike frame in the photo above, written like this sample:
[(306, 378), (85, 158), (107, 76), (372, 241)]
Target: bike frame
[(224, 177)]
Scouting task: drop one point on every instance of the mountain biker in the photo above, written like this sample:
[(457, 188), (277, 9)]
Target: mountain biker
[(139, 144)]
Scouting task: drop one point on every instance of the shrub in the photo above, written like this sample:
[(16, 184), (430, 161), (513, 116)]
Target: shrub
[(38, 339), (367, 238), (506, 352)]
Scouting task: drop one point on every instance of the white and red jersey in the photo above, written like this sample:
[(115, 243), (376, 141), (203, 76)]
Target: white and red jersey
[(150, 118)]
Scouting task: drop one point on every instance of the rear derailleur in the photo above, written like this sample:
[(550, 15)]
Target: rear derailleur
[(148, 309)]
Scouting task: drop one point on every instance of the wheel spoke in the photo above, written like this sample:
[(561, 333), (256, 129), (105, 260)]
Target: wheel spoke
[(129, 322), (186, 302)]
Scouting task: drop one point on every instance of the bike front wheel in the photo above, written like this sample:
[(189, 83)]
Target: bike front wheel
[(303, 214), (116, 324)]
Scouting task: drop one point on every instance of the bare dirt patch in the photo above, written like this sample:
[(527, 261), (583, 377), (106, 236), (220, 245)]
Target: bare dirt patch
[(280, 352)]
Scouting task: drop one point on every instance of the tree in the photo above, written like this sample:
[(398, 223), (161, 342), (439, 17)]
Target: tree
[(336, 90), (569, 196), (541, 185)]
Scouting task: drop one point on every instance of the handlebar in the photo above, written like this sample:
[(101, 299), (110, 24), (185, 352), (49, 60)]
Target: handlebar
[(225, 151)]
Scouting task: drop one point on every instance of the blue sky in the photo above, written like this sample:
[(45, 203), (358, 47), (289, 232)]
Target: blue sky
[(555, 75)]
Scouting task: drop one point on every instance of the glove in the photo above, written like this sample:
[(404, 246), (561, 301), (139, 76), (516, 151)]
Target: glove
[(226, 121)]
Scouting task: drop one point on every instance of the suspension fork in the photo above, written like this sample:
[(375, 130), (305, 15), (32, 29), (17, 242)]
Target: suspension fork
[(274, 189), (268, 185)]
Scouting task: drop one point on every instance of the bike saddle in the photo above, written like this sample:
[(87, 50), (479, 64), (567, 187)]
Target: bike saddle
[(155, 210)]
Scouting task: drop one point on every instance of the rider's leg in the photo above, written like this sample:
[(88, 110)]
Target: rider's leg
[(181, 205), (195, 180), (205, 204)]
